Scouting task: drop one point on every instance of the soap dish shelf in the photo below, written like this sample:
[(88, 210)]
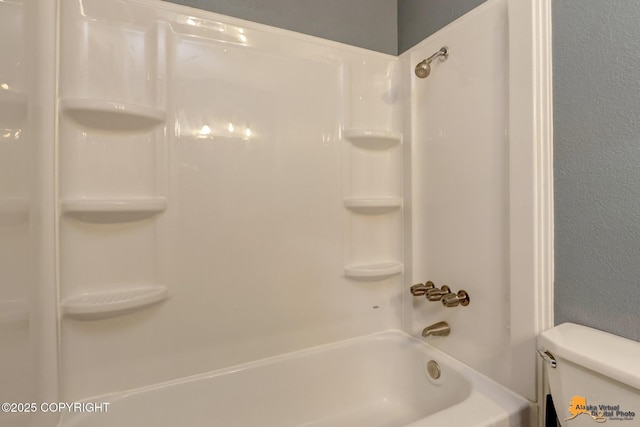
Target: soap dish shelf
[(95, 305), (112, 210), (373, 206), (112, 116), (374, 271), (374, 139)]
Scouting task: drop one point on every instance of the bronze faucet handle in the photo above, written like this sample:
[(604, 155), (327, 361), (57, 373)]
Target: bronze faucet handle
[(453, 300), (419, 289), (436, 294)]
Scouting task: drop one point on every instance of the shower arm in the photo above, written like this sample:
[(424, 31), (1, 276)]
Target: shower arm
[(443, 53)]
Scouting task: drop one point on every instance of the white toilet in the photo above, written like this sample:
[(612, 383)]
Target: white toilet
[(594, 376)]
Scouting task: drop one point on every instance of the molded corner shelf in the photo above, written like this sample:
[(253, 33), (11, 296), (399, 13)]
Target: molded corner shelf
[(374, 139), (113, 210), (376, 271), (13, 106), (373, 206), (94, 305), (112, 116)]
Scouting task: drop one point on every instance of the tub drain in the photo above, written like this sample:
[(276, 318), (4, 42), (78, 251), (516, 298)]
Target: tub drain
[(433, 369)]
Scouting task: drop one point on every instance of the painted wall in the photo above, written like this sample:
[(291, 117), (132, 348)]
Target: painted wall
[(418, 19), (597, 164), (388, 26), (371, 24)]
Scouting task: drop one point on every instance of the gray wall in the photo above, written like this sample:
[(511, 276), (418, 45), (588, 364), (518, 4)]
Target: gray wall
[(371, 24), (388, 26), (417, 19), (596, 65)]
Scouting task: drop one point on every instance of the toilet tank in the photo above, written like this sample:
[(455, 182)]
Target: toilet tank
[(596, 376)]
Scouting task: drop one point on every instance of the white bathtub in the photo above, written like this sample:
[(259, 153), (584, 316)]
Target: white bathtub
[(374, 381)]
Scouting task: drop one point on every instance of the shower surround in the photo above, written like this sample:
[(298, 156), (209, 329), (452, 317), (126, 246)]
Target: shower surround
[(228, 173), (227, 192)]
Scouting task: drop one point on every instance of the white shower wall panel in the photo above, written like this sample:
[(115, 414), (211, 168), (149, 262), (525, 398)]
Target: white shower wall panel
[(460, 214), (17, 238), (27, 284), (254, 238)]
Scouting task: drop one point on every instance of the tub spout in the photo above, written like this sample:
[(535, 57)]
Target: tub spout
[(440, 329)]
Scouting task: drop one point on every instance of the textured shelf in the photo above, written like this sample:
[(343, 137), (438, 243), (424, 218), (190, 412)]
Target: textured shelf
[(111, 303), (13, 311), (112, 116), (373, 138), (113, 210), (373, 271), (373, 206), (13, 106)]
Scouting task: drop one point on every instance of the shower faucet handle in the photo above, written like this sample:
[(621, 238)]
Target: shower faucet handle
[(436, 294), (453, 300), (419, 289)]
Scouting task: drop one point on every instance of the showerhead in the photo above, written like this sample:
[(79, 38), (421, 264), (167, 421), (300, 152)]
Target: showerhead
[(423, 69)]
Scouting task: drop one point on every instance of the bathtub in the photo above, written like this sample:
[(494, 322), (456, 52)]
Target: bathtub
[(379, 380)]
